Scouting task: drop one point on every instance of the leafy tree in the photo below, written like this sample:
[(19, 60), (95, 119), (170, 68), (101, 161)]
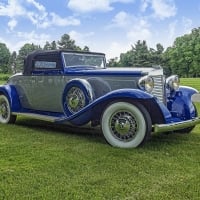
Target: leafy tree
[(183, 56), (12, 62), (141, 56), (86, 48), (50, 46), (4, 58), (67, 43), (47, 46), (54, 45), (23, 52), (113, 62)]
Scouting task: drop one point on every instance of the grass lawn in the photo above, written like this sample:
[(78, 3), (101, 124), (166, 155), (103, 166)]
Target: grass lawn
[(39, 160)]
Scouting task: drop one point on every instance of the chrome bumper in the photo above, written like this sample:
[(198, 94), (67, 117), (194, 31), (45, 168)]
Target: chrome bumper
[(158, 128)]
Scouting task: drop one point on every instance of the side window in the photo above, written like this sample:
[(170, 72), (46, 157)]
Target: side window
[(44, 65)]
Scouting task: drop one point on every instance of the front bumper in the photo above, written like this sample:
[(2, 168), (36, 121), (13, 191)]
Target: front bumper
[(158, 128)]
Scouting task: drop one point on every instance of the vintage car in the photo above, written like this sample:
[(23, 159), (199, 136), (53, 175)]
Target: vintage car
[(129, 104)]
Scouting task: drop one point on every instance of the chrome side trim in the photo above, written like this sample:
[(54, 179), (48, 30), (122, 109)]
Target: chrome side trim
[(37, 116), (158, 128)]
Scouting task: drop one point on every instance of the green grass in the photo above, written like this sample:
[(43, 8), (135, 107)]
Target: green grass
[(39, 160)]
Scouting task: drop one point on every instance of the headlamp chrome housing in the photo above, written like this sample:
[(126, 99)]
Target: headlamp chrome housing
[(146, 83), (173, 83)]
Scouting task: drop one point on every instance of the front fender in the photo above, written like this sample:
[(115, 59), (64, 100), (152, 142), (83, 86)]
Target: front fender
[(94, 110), (180, 103), (11, 93)]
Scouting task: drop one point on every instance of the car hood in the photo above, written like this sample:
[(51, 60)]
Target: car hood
[(90, 70)]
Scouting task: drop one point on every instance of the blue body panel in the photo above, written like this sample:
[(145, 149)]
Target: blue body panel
[(11, 93), (94, 110), (180, 104)]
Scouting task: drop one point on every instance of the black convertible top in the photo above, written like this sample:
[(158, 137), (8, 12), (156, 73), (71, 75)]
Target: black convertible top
[(48, 55)]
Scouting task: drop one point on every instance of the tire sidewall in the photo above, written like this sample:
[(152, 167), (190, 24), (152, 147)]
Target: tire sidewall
[(7, 120), (142, 131)]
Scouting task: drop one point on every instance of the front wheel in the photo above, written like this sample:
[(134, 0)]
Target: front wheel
[(5, 112), (126, 125)]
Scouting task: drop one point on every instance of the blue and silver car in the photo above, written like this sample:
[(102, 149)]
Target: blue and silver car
[(129, 104)]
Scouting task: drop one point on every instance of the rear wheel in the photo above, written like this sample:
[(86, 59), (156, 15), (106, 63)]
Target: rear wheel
[(126, 125), (5, 112)]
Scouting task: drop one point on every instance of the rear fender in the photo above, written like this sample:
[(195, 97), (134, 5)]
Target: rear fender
[(11, 93)]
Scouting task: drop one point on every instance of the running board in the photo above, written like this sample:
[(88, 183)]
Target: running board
[(38, 116)]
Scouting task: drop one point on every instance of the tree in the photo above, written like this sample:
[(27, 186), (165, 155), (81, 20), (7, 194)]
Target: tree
[(50, 46), (23, 52), (141, 56), (183, 56), (47, 46), (4, 58), (12, 62), (113, 62), (67, 43), (86, 48), (54, 45)]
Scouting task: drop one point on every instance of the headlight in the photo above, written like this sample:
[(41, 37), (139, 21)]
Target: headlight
[(173, 82), (146, 83)]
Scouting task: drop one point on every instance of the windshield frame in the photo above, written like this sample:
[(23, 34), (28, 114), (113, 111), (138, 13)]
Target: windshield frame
[(89, 54)]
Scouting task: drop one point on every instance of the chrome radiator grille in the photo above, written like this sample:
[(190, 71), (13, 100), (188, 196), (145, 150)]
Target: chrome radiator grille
[(158, 90)]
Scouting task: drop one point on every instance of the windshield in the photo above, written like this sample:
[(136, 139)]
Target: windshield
[(76, 59)]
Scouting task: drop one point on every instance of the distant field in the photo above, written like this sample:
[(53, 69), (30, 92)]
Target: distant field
[(39, 160), (3, 78), (192, 82)]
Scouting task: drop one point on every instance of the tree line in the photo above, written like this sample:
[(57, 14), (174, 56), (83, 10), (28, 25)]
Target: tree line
[(182, 58)]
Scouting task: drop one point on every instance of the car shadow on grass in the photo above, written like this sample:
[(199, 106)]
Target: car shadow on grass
[(157, 141), (52, 128)]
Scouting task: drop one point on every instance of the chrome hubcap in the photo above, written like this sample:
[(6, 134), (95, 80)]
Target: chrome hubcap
[(123, 126), (75, 99)]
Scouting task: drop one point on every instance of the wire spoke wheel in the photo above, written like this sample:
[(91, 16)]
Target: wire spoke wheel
[(126, 125), (75, 99), (123, 125)]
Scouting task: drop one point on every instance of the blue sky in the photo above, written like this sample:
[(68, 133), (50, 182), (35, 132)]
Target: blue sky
[(109, 26)]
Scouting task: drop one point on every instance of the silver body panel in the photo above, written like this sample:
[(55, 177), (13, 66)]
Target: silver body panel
[(44, 93)]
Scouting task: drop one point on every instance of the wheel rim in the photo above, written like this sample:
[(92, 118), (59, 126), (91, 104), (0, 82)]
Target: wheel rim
[(4, 110), (75, 99), (123, 125)]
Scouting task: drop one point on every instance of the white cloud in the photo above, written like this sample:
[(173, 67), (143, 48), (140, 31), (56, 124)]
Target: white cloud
[(37, 5), (89, 5), (36, 13), (67, 21), (164, 8), (93, 5), (31, 37), (136, 28), (187, 24), (82, 39), (144, 5), (121, 19), (139, 31), (172, 29), (12, 9), (114, 49), (12, 24)]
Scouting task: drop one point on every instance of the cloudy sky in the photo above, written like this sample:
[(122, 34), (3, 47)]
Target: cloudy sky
[(108, 26)]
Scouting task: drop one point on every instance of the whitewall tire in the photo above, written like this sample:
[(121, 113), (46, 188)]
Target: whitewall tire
[(5, 111), (126, 125)]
